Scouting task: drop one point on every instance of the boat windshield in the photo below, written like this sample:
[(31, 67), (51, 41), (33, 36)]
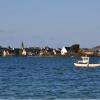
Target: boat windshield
[(84, 60)]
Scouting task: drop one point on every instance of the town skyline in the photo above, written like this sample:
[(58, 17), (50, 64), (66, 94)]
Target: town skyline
[(23, 44), (73, 50)]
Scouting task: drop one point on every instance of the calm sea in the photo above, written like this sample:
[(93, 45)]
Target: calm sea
[(47, 78)]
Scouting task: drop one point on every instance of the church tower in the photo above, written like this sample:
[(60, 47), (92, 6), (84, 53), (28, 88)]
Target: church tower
[(22, 45)]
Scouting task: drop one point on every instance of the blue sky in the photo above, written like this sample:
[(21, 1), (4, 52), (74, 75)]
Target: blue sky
[(50, 22)]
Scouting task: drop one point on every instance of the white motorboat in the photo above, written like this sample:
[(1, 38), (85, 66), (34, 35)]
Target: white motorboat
[(85, 63)]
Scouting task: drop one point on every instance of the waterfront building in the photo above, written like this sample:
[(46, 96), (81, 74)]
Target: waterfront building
[(64, 51), (24, 52), (4, 53)]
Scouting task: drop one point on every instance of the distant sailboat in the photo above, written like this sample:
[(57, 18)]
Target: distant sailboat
[(85, 63)]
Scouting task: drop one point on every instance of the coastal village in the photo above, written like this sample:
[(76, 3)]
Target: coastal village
[(73, 50)]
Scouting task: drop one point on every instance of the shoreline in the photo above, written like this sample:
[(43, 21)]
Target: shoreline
[(47, 56)]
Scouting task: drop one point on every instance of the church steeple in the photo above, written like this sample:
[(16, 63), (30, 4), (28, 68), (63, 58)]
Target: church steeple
[(22, 45)]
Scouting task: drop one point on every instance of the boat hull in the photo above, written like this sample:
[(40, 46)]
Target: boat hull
[(86, 65)]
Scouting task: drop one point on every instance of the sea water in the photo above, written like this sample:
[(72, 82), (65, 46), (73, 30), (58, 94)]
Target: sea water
[(47, 78)]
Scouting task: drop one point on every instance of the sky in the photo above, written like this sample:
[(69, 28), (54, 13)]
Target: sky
[(54, 23)]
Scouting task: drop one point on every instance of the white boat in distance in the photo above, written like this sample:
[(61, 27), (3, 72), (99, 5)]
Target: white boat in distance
[(85, 63)]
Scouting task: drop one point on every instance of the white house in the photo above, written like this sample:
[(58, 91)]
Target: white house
[(64, 51), (4, 53), (54, 51), (24, 52)]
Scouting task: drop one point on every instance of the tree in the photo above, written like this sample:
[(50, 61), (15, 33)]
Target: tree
[(75, 47)]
